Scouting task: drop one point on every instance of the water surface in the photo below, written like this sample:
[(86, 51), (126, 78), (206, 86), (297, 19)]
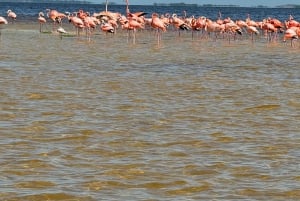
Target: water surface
[(186, 119)]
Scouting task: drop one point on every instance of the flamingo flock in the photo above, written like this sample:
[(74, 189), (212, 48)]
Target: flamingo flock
[(222, 28)]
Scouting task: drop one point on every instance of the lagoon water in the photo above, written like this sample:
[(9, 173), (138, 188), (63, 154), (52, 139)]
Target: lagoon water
[(186, 119)]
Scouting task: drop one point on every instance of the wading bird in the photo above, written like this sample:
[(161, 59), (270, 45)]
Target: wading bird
[(3, 20), (55, 16), (12, 15), (41, 20)]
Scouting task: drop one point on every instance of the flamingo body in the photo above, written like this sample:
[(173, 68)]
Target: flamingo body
[(157, 23), (11, 14), (3, 20), (106, 27)]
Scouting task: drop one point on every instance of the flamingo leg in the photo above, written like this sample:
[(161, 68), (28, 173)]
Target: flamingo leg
[(134, 35)]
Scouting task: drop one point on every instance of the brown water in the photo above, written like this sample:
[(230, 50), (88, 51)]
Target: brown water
[(188, 119)]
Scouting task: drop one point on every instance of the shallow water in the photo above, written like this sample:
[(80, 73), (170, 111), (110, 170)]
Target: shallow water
[(186, 119)]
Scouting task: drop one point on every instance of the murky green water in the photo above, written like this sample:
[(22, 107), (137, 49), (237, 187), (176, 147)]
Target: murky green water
[(188, 119)]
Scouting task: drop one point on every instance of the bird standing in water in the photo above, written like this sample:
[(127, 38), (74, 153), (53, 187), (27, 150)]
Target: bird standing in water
[(61, 31), (55, 16), (12, 15), (41, 20), (2, 21), (159, 25)]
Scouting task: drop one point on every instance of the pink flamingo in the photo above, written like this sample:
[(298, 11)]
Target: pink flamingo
[(89, 24), (114, 24), (55, 16), (291, 22), (12, 15), (269, 29), (166, 19), (108, 17), (107, 27), (81, 14), (253, 31), (76, 21), (132, 25), (231, 28), (214, 27), (138, 16), (251, 22), (3, 20), (158, 24), (292, 31), (291, 34), (179, 23), (277, 24), (198, 24), (41, 20)]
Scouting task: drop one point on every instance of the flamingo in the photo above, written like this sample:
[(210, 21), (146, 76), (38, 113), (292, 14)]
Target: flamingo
[(109, 22), (232, 28), (277, 24), (198, 24), (107, 27), (132, 25), (214, 27), (166, 19), (158, 24), (269, 29), (241, 23), (3, 20), (41, 20), (114, 24), (89, 24), (108, 17), (55, 16), (290, 34), (12, 15), (138, 16), (252, 30), (82, 14), (291, 22), (179, 23), (76, 21), (123, 21), (251, 22)]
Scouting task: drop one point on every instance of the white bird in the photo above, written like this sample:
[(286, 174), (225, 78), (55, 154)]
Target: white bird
[(61, 30), (11, 14)]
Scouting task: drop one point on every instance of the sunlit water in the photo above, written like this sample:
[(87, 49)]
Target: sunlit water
[(186, 119)]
